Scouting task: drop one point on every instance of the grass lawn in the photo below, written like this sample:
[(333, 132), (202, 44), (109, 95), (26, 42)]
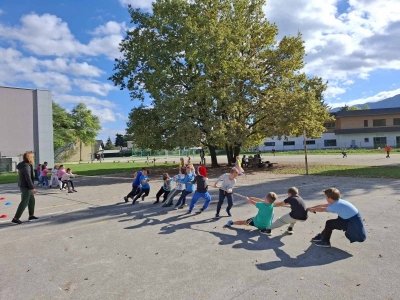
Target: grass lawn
[(347, 171), (92, 169)]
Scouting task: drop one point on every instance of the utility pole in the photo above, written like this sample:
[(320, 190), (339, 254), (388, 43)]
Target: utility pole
[(305, 151)]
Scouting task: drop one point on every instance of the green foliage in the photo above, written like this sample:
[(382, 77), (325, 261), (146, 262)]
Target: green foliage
[(216, 75), (85, 124), (119, 140), (109, 144), (63, 132)]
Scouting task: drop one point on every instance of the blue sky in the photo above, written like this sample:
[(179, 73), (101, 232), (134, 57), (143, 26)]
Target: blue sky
[(68, 47)]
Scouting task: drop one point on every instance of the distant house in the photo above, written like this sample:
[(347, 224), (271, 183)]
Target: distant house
[(368, 128)]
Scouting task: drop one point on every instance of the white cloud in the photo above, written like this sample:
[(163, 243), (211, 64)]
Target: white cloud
[(49, 35), (342, 46), (375, 98), (142, 4), (95, 87)]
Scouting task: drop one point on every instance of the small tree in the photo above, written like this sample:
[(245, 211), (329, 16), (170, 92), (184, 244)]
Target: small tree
[(109, 144), (119, 140), (86, 125)]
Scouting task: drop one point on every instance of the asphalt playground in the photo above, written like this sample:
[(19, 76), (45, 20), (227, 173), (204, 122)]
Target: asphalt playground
[(91, 245)]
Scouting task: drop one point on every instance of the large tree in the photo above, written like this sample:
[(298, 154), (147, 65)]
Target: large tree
[(86, 125), (213, 65), (63, 132)]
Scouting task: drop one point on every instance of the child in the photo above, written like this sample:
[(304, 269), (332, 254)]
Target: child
[(54, 177), (181, 162), (298, 210), (187, 180), (178, 188), (265, 214), (349, 219), (165, 189), (228, 182), (60, 173), (144, 186), (66, 181), (135, 185), (44, 180), (201, 191)]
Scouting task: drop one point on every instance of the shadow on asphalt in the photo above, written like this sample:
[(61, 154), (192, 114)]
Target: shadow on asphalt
[(313, 256)]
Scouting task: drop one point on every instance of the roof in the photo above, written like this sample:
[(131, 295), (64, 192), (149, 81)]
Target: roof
[(367, 112), (22, 88)]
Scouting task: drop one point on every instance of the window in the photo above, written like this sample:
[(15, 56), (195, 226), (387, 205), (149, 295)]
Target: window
[(330, 143), (288, 143), (379, 142), (397, 141), (379, 122), (365, 123), (366, 140), (310, 142), (269, 144), (396, 122)]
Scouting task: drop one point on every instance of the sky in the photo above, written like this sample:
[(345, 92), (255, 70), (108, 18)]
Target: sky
[(69, 47)]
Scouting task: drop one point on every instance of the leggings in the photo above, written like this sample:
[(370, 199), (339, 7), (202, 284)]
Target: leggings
[(142, 193), (182, 198), (160, 193), (171, 196), (135, 190), (222, 195)]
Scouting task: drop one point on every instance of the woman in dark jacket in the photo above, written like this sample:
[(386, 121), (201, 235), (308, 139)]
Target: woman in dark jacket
[(28, 191)]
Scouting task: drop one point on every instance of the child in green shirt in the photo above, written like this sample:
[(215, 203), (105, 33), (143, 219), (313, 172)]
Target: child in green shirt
[(263, 219)]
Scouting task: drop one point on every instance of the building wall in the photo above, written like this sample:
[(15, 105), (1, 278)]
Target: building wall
[(26, 123), (358, 122), (298, 143), (366, 140)]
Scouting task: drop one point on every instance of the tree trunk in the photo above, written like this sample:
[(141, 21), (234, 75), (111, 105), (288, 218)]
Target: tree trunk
[(236, 151), (213, 154), (80, 150)]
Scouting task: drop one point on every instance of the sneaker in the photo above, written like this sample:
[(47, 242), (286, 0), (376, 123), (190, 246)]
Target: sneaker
[(266, 231), (16, 221), (317, 238), (289, 231), (75, 191), (229, 213), (32, 218), (126, 199), (229, 223), (70, 192), (217, 216), (323, 244)]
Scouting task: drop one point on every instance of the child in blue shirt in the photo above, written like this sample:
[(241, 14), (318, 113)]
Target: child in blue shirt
[(189, 188), (349, 219), (144, 187), (135, 185)]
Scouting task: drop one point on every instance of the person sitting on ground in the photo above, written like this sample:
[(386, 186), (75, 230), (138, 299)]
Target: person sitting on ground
[(61, 171), (144, 189), (165, 189), (349, 219), (135, 185), (179, 187), (265, 214), (201, 191), (67, 181), (187, 181), (54, 178), (298, 210), (227, 181)]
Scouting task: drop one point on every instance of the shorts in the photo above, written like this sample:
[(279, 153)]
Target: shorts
[(250, 222)]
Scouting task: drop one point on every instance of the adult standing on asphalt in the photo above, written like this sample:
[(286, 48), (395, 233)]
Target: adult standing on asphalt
[(388, 149), (28, 191)]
